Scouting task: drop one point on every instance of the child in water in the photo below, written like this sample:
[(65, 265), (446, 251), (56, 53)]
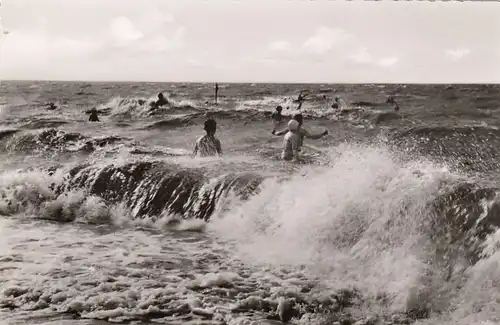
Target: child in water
[(291, 142), (277, 117), (208, 145)]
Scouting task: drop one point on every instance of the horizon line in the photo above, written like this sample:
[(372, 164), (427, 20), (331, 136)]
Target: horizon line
[(250, 82)]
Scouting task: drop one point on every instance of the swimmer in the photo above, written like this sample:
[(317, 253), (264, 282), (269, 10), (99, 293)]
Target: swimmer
[(392, 101), (208, 145), (93, 115), (301, 99), (336, 105), (303, 133), (52, 106), (302, 96), (161, 100), (291, 142), (277, 117)]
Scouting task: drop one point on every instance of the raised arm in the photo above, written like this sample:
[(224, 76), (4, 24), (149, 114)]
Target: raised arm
[(218, 146), (195, 150), (282, 132), (308, 135)]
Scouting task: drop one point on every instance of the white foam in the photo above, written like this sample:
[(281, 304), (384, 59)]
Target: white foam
[(354, 223), (357, 223)]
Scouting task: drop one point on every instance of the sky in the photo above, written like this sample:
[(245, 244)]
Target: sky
[(292, 41)]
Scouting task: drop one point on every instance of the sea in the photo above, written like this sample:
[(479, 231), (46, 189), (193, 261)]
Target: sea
[(391, 218)]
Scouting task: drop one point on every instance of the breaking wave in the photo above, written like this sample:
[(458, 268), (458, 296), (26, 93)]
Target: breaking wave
[(378, 236)]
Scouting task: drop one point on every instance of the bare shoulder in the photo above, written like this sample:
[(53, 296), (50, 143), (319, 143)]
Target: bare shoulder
[(304, 131)]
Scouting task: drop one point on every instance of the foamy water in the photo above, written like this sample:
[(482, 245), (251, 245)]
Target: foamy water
[(354, 237), (329, 228)]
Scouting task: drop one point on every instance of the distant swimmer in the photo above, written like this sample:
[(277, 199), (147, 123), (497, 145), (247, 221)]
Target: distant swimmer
[(392, 101), (51, 106), (301, 99), (302, 96), (216, 92), (208, 145), (161, 100), (304, 133), (277, 117), (291, 142), (336, 104), (93, 115)]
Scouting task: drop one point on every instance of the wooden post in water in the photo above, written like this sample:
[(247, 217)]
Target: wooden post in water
[(216, 91)]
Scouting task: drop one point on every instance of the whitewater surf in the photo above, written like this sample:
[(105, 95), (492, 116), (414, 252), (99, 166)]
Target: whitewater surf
[(396, 221)]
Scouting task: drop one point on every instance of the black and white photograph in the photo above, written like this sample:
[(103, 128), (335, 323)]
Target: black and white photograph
[(249, 162)]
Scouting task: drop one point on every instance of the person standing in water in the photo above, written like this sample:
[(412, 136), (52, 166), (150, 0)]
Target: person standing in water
[(303, 133), (301, 99), (93, 115), (216, 92), (277, 117), (208, 145), (291, 142)]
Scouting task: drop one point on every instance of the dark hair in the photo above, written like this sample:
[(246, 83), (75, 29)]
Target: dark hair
[(279, 108), (210, 125), (299, 118)]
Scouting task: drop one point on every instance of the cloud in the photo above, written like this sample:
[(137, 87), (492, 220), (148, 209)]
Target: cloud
[(324, 39), (25, 53), (387, 61), (313, 49), (162, 43), (37, 47), (149, 34), (123, 31), (363, 57), (334, 46), (326, 44), (458, 53), (20, 44)]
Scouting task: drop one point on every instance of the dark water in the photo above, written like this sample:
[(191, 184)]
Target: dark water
[(393, 219)]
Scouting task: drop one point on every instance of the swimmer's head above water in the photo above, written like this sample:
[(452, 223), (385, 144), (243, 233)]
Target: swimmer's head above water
[(299, 118), (210, 126), (279, 108), (293, 125)]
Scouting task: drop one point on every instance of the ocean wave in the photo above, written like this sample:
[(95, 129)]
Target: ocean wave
[(421, 230), (138, 107), (54, 140), (42, 124), (410, 232), (474, 148), (373, 231)]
